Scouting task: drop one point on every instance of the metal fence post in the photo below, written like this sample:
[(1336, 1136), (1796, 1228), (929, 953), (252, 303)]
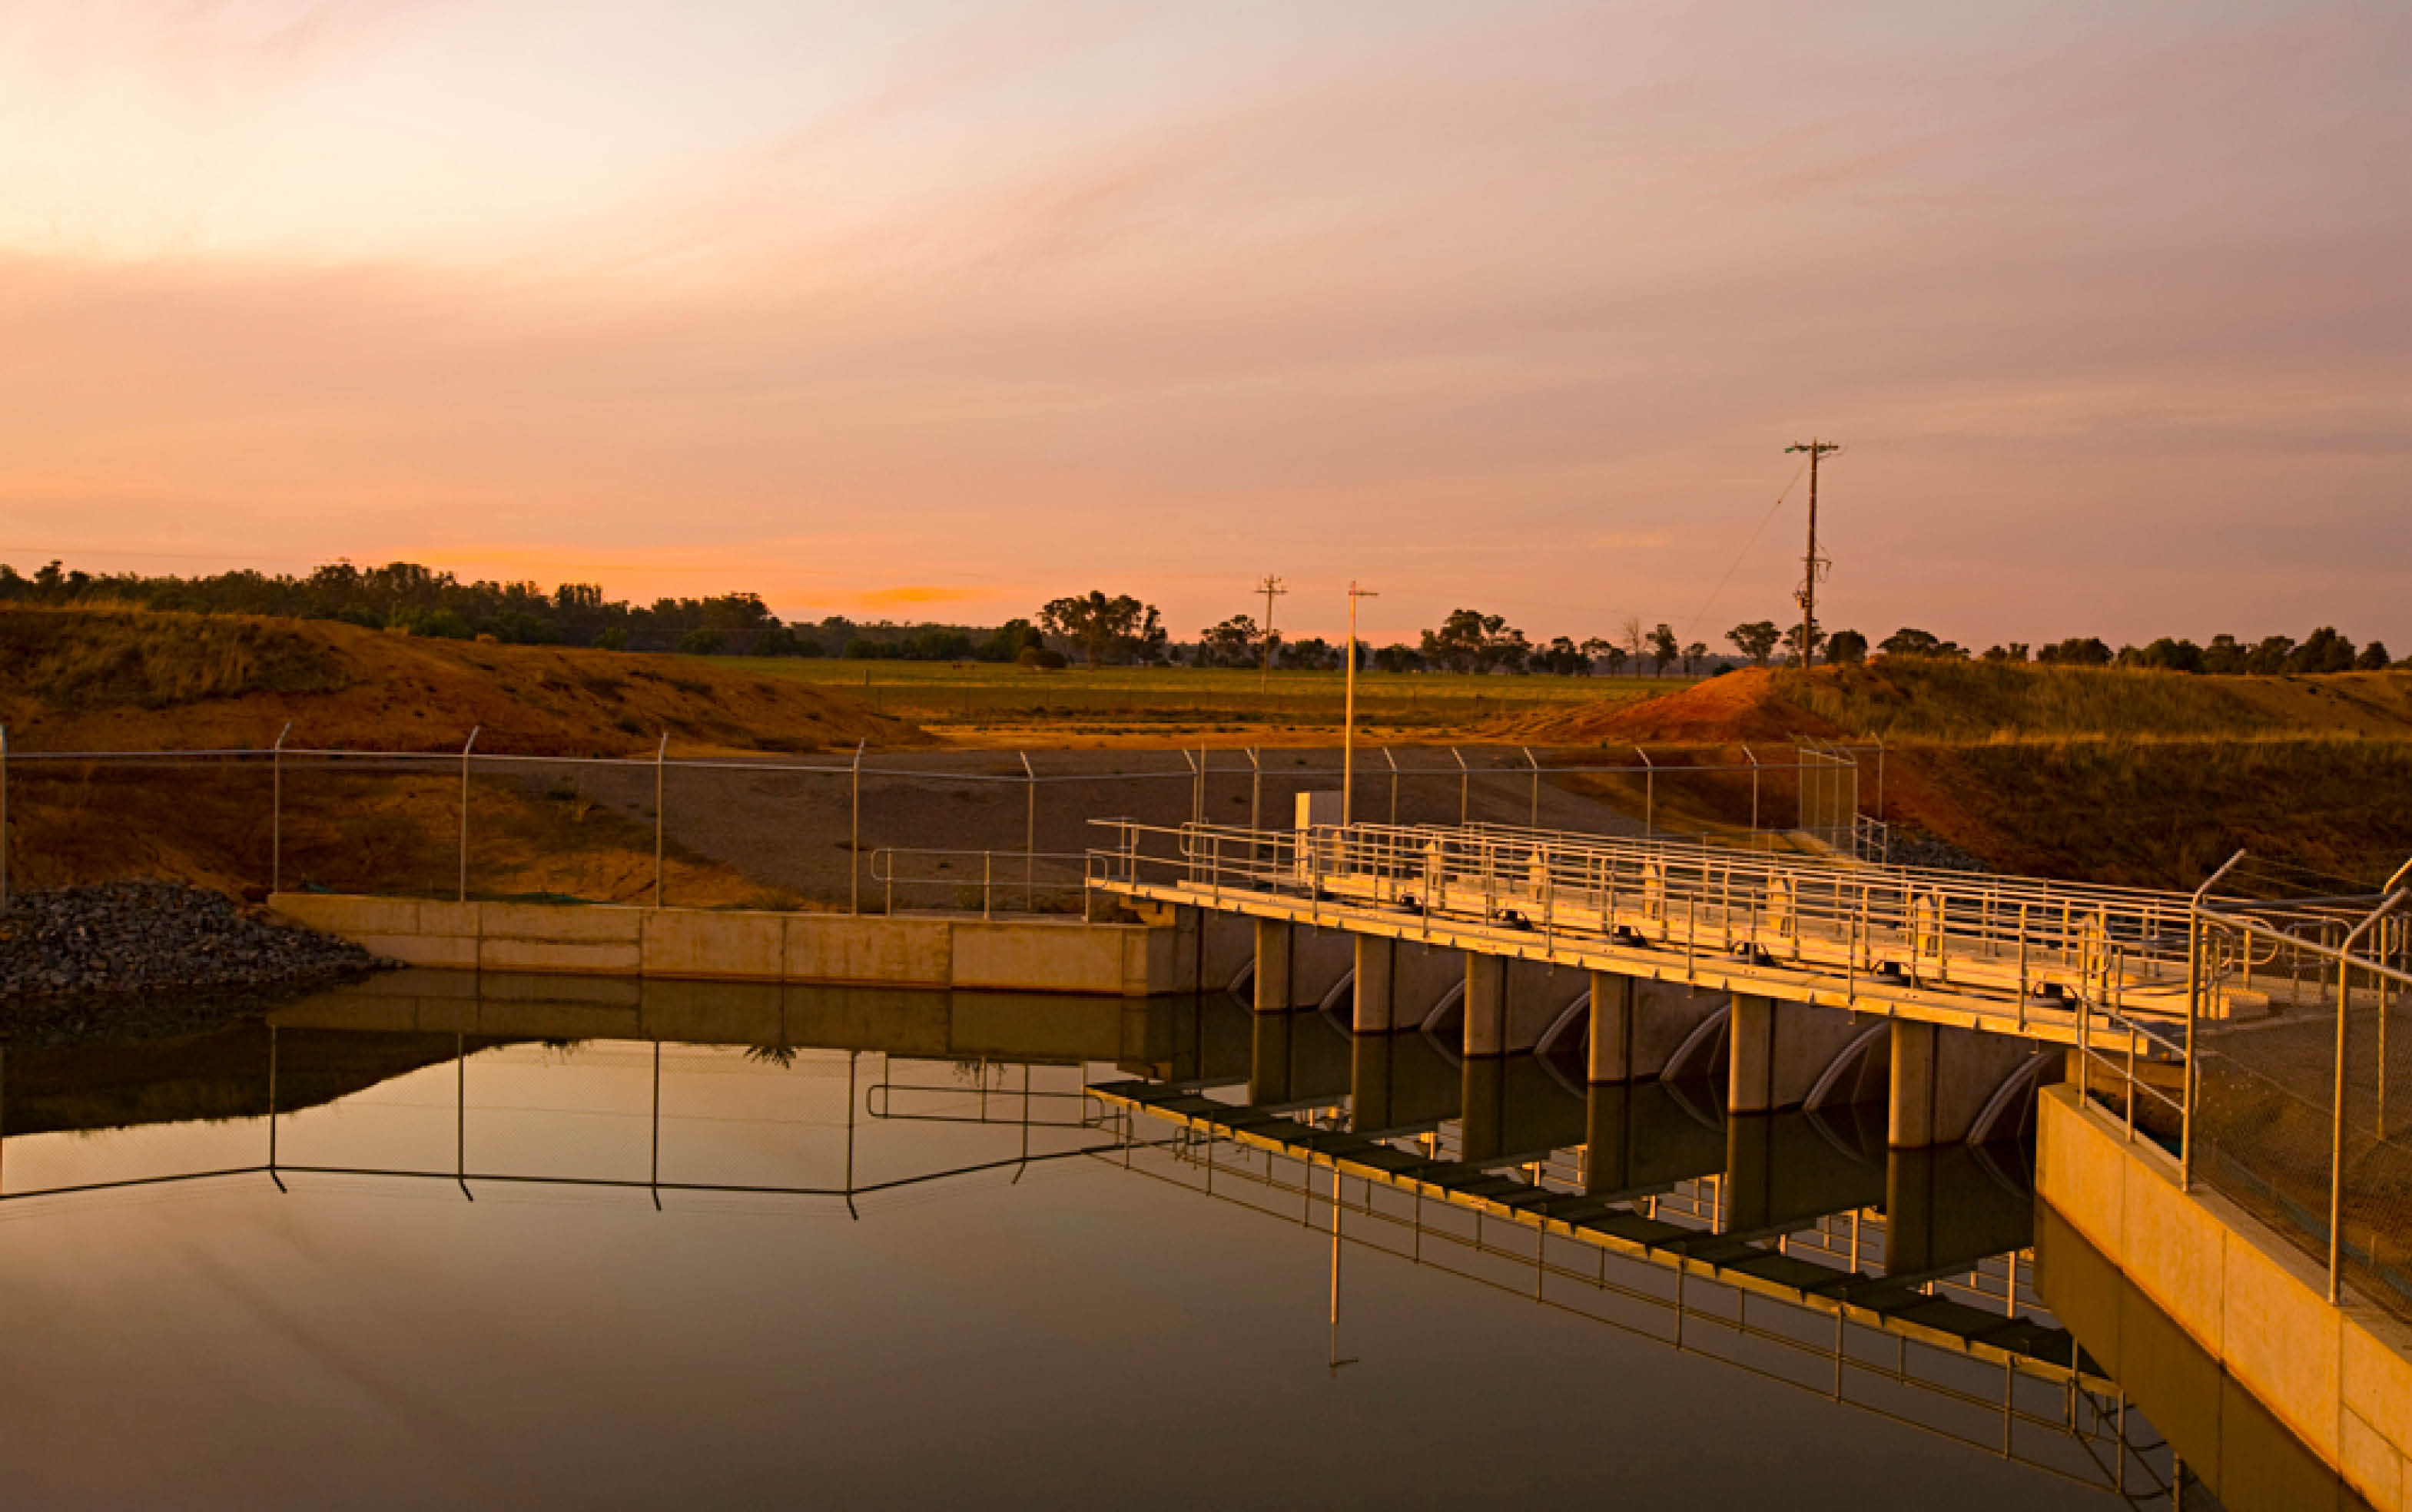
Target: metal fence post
[(1462, 782), (1394, 785), (1649, 793), (1029, 835), (1533, 819), (853, 838), (660, 752), (465, 746), (1754, 793), (276, 813)]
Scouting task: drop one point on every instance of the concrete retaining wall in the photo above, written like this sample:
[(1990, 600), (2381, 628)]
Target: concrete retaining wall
[(2340, 1378), (712, 945)]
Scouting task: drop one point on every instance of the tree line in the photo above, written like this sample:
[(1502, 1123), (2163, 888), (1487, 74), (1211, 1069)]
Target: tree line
[(2323, 650), (1097, 627)]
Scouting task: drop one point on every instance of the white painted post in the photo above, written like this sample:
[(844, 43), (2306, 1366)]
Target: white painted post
[(1533, 819), (1649, 792)]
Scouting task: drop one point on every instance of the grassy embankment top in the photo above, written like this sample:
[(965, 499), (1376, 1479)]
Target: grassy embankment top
[(2151, 778), (84, 678)]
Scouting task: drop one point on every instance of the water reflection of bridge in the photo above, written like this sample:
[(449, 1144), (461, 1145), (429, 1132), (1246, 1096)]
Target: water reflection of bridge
[(1797, 1247)]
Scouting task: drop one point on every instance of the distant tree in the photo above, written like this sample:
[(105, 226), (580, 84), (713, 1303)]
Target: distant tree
[(1103, 627), (1562, 657), (1235, 643), (1910, 641), (1469, 640), (1693, 654), (1664, 647), (614, 638), (2077, 650), (2269, 656), (2224, 657), (1040, 658), (1009, 640), (700, 641), (2011, 650), (1629, 635), (2373, 658), (780, 641), (1755, 639), (1792, 642), (1397, 657), (2168, 656), (2325, 652), (1596, 648), (1845, 648)]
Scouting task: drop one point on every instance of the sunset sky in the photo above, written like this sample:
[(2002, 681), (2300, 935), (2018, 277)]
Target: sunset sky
[(941, 309)]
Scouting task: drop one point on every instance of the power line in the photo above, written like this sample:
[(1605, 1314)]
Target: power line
[(1694, 622)]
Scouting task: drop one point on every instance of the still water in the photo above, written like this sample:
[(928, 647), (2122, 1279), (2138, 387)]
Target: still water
[(451, 1242)]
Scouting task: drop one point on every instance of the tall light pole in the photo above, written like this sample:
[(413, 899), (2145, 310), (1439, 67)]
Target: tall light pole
[(1271, 588), (1813, 566), (1348, 712)]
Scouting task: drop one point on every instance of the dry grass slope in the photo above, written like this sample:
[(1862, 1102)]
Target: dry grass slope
[(2137, 777)]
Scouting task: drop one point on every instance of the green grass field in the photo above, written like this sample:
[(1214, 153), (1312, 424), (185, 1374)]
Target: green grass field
[(1139, 700)]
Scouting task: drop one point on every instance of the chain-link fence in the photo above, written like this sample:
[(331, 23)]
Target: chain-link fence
[(857, 830)]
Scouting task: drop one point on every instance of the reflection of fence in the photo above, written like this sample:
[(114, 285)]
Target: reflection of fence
[(477, 822), (2051, 1415)]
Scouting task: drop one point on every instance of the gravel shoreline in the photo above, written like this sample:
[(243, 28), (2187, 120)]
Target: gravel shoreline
[(149, 958)]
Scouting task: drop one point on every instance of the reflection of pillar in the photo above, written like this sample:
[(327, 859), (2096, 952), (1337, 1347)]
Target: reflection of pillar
[(1376, 1000), (1268, 1064), (1370, 1059), (1486, 1006), (1273, 946), (1484, 1121), (1611, 1028), (1608, 1155)]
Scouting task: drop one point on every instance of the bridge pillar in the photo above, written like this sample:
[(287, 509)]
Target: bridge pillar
[(1274, 944), (1942, 1077), (1636, 1025), (1507, 1006), (1375, 1005), (1777, 1051)]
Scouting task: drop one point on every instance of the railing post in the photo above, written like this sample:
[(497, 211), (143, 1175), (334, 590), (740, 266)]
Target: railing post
[(1533, 818), (275, 815), (660, 827), (2336, 1141), (1464, 780), (1394, 785), (464, 809), (1649, 793)]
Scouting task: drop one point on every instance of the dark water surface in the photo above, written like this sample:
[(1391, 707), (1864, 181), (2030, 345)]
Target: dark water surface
[(721, 1247)]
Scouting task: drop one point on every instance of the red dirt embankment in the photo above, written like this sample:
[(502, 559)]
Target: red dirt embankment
[(1740, 706)]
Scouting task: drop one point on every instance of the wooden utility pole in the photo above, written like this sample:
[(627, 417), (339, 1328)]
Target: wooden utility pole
[(1271, 588), (1813, 566)]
